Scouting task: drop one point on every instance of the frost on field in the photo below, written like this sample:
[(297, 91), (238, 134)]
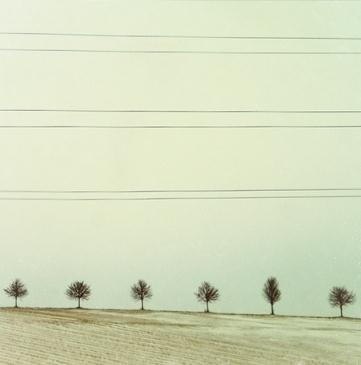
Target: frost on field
[(51, 336)]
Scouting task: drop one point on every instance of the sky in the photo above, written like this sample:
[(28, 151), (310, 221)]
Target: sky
[(310, 245)]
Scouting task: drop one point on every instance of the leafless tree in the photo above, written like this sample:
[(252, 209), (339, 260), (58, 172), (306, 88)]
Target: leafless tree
[(141, 291), (207, 293), (271, 292), (340, 297), (17, 290), (78, 290)]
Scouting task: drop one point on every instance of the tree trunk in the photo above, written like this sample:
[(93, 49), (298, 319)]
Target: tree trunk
[(142, 305), (272, 311), (78, 303), (207, 310), (341, 310), (16, 302)]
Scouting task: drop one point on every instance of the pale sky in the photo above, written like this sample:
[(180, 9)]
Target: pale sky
[(309, 245)]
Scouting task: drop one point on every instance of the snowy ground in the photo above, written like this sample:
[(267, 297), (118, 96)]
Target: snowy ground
[(55, 336)]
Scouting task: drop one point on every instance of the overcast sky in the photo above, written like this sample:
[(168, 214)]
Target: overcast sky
[(309, 245)]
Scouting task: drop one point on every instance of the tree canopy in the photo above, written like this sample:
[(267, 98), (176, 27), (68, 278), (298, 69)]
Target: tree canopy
[(340, 297), (271, 292), (17, 290), (141, 291), (207, 293), (78, 290)]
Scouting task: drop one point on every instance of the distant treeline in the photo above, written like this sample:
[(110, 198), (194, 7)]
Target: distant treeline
[(206, 293)]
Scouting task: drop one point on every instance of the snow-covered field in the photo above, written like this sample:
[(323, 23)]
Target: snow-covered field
[(56, 336)]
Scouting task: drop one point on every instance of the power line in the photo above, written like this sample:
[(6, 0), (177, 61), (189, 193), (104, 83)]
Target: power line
[(189, 198), (178, 191), (64, 50), (292, 1), (175, 191), (182, 36), (285, 126), (188, 111)]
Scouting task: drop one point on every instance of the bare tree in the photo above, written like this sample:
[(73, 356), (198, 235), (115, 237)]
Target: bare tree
[(207, 293), (271, 292), (141, 291), (17, 290), (78, 290), (340, 297)]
